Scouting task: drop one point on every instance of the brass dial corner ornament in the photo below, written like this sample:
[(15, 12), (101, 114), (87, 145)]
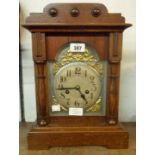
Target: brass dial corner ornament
[(96, 107), (54, 101)]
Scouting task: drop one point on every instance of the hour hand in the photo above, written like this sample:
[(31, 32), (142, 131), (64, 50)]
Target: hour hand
[(84, 98), (64, 88), (82, 95)]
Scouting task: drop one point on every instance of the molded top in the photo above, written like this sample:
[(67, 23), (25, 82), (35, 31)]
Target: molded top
[(75, 15)]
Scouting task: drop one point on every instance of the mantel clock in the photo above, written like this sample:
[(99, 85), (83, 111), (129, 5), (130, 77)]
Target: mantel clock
[(77, 51)]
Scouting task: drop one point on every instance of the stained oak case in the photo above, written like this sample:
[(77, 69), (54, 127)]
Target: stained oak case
[(58, 25)]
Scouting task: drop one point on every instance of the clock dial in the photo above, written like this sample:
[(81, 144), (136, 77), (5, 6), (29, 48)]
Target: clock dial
[(77, 85)]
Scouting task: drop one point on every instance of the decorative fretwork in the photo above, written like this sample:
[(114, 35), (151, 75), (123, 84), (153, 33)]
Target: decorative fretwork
[(86, 56)]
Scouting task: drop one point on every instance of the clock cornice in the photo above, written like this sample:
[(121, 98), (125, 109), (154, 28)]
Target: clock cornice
[(85, 17)]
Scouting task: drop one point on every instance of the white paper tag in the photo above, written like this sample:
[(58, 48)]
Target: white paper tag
[(56, 107), (76, 111), (77, 47)]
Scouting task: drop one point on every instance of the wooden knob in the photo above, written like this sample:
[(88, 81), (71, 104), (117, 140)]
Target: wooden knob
[(75, 12), (53, 12), (96, 12)]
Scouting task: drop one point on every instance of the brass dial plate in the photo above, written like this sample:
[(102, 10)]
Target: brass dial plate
[(77, 85)]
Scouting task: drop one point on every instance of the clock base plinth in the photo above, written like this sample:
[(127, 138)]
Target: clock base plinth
[(112, 137)]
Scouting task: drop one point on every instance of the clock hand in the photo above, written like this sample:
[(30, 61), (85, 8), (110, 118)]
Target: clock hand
[(76, 88), (66, 88), (82, 95)]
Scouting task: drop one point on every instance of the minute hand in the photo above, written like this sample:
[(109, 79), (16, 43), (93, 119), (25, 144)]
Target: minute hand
[(66, 88), (82, 95)]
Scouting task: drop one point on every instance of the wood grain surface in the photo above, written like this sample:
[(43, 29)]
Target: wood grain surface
[(78, 150), (57, 25)]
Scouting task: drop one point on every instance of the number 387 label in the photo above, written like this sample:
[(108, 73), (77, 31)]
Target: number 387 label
[(77, 47)]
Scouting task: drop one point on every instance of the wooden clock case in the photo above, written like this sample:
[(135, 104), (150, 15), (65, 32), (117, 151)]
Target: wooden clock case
[(60, 24)]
